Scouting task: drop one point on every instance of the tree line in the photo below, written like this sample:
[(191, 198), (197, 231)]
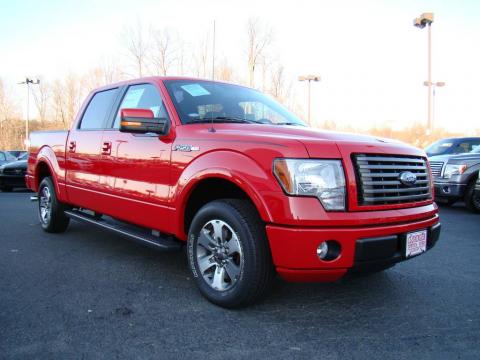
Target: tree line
[(162, 51)]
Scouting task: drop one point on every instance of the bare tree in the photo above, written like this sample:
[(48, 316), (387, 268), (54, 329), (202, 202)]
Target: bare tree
[(137, 45), (41, 96), (279, 87), (162, 52), (7, 107), (259, 39), (200, 56), (224, 71)]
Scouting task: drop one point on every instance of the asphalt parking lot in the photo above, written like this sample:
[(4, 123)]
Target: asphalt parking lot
[(91, 294)]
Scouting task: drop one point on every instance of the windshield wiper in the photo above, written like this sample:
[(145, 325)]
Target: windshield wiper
[(223, 119), (289, 123)]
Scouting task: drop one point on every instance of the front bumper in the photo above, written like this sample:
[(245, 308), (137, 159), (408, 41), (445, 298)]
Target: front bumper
[(13, 180), (445, 189), (362, 248)]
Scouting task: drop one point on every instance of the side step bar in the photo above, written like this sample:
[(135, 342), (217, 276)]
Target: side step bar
[(138, 234)]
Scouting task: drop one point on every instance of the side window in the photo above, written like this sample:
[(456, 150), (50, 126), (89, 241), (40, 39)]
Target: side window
[(98, 109), (144, 96), (2, 156), (474, 145)]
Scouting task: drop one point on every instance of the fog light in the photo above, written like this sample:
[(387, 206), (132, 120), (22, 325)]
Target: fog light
[(328, 250), (322, 250)]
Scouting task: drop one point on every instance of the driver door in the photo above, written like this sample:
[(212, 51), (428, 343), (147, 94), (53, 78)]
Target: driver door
[(136, 172)]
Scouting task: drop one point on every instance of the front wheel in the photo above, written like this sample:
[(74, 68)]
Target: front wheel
[(472, 198), (228, 253), (51, 212)]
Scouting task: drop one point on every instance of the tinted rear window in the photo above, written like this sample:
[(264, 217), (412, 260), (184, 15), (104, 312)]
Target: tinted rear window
[(98, 109)]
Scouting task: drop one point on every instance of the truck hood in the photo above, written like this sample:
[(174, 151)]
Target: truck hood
[(322, 143), (457, 157)]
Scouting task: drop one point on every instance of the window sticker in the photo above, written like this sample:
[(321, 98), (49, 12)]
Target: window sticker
[(132, 98), (195, 89)]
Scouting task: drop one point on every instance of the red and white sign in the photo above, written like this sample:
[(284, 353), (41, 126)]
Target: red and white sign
[(416, 243)]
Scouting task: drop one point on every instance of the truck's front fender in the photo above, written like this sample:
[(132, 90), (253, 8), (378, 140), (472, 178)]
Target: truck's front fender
[(246, 173)]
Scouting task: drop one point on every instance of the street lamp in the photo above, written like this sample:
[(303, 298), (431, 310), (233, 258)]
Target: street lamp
[(28, 82), (426, 19), (309, 78), (434, 85)]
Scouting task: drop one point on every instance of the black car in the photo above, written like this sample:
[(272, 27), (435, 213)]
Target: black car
[(17, 154), (476, 198), (452, 146), (6, 157), (454, 177), (12, 175)]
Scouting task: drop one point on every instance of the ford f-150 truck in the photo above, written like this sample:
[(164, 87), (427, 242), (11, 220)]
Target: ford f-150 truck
[(246, 186)]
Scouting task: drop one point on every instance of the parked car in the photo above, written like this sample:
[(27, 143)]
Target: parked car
[(477, 191), (17, 153), (6, 157), (454, 177), (12, 175), (452, 146), (243, 183)]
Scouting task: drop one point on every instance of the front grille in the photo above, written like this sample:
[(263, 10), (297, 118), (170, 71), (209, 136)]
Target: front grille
[(14, 172), (378, 179), (436, 167)]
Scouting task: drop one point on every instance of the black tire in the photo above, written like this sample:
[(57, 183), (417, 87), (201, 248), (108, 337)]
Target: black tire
[(257, 272), (472, 198), (6, 188), (56, 221)]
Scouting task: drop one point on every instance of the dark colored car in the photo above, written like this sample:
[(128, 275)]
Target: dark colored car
[(17, 154), (6, 157), (12, 175), (455, 176), (453, 146), (476, 198)]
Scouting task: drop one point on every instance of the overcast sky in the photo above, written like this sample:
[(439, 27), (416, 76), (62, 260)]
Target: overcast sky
[(371, 59)]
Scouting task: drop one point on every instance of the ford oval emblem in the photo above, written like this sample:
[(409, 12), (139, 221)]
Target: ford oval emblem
[(408, 178)]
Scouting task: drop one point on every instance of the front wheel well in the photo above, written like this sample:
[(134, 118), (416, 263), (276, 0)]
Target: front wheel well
[(209, 190)]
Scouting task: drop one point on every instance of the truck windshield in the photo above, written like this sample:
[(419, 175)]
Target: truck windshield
[(440, 147), (203, 101)]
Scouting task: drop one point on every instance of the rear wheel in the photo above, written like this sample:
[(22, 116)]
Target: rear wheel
[(51, 212), (228, 253), (472, 198)]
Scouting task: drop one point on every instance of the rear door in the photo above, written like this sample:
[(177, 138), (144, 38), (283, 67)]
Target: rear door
[(84, 150), (137, 170)]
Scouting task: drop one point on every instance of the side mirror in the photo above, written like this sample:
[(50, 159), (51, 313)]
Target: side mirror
[(141, 121)]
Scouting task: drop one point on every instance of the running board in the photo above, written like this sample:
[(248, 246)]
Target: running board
[(162, 242)]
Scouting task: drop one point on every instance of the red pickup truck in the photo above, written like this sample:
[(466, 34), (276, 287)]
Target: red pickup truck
[(248, 188)]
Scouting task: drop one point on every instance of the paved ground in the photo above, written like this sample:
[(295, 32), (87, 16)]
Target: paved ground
[(90, 294)]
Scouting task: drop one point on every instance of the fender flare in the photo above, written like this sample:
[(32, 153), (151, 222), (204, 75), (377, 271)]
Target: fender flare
[(47, 156), (247, 175)]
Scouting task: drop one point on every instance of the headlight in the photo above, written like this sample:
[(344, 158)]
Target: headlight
[(323, 179), (1, 169), (454, 169)]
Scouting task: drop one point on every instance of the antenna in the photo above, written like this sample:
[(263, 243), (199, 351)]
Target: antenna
[(213, 52), (212, 129)]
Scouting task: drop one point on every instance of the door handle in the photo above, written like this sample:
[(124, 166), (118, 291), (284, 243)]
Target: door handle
[(72, 146), (107, 148)]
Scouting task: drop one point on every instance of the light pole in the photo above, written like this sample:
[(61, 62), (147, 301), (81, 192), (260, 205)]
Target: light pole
[(426, 19), (28, 82), (309, 78), (434, 85)]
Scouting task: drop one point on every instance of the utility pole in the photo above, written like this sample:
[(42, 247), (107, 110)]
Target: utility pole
[(309, 78), (28, 82), (426, 19)]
